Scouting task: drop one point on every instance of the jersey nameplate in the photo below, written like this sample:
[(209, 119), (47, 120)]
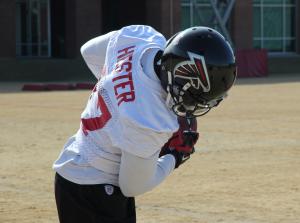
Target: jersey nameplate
[(123, 84)]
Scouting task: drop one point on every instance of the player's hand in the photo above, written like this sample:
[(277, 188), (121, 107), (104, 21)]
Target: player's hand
[(181, 144)]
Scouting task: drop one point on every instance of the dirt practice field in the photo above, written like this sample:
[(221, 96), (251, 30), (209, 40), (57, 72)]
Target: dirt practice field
[(246, 168)]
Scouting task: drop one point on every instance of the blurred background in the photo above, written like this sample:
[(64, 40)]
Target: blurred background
[(40, 39), (246, 168)]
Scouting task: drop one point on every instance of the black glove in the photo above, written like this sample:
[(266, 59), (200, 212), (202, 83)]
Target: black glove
[(180, 156)]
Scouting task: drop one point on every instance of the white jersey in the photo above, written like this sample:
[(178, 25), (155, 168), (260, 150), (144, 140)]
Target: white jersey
[(125, 112)]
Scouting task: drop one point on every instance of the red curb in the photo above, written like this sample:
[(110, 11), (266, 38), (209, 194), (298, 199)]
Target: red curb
[(59, 87), (85, 86), (34, 87)]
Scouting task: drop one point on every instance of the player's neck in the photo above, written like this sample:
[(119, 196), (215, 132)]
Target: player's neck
[(157, 63)]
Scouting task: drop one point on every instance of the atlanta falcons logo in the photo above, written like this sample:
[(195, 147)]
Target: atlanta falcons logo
[(194, 70)]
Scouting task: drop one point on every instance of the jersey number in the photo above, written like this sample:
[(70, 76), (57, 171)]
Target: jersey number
[(92, 124)]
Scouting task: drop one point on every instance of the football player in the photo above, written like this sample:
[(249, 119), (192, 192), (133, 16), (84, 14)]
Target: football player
[(139, 123)]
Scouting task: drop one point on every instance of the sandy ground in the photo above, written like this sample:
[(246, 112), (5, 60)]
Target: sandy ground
[(246, 168)]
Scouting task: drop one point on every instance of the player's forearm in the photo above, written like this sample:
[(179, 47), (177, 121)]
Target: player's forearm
[(139, 175)]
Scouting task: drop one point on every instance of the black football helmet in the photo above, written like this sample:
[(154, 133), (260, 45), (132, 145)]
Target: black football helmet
[(197, 69)]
